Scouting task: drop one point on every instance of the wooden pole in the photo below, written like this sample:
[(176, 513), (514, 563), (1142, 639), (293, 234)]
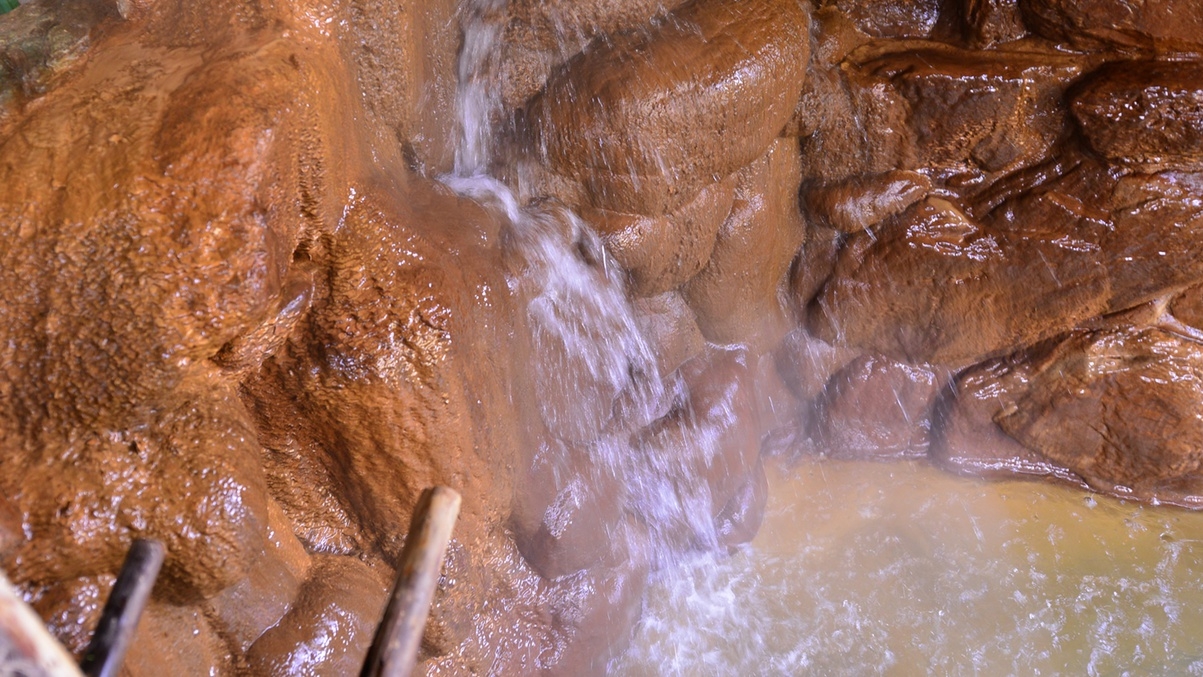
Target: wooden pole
[(26, 647), (394, 649), (124, 607)]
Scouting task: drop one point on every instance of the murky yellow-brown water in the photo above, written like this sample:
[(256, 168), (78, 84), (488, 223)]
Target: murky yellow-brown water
[(901, 569)]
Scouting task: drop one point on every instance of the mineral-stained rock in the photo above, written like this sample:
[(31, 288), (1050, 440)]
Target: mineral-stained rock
[(663, 252), (813, 265), (646, 119), (566, 506), (1118, 409), (670, 328), (740, 519), (992, 21), (713, 435), (244, 611), (213, 522), (806, 363), (876, 408), (538, 35), (856, 204), (1144, 113), (938, 287), (965, 437), (776, 404), (405, 66), (71, 608), (1121, 409), (179, 634), (737, 295), (330, 625), (1187, 307), (45, 38), (892, 19), (598, 607), (854, 123), (1156, 243), (999, 110), (1163, 27), (1059, 252)]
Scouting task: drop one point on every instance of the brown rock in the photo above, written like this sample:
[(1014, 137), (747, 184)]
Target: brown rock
[(43, 40), (71, 608), (647, 118), (813, 265), (714, 436), (1148, 114), (740, 519), (328, 629), (737, 296), (965, 438), (1156, 243), (404, 58), (662, 253), (892, 18), (854, 123), (82, 517), (1165, 27), (776, 404), (998, 110), (566, 506), (1120, 409), (244, 611), (596, 610), (806, 363), (1187, 307), (994, 289), (862, 202), (989, 22), (876, 408), (178, 634), (1059, 252), (670, 329), (538, 35), (1093, 407)]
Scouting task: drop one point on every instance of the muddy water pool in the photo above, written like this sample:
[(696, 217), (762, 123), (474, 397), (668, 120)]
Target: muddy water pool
[(902, 569)]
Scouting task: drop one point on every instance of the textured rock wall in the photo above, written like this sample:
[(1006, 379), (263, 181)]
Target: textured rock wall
[(239, 316)]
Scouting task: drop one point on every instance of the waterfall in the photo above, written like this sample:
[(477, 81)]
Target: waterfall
[(596, 374)]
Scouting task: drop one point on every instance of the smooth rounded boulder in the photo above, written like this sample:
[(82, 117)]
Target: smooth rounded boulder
[(649, 117)]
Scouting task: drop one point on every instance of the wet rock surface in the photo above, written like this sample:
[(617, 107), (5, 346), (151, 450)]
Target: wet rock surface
[(241, 316)]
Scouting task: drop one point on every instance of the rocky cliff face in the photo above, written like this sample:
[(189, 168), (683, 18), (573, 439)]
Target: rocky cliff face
[(239, 314)]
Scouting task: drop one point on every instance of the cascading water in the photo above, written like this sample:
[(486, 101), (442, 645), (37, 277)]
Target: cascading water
[(596, 375)]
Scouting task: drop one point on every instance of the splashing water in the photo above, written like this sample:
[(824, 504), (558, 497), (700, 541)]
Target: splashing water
[(596, 375), (869, 568)]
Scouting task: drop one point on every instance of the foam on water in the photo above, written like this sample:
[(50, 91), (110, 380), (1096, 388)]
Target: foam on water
[(901, 569)]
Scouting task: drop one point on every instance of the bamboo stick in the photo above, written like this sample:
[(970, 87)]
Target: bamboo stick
[(123, 609), (395, 647)]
